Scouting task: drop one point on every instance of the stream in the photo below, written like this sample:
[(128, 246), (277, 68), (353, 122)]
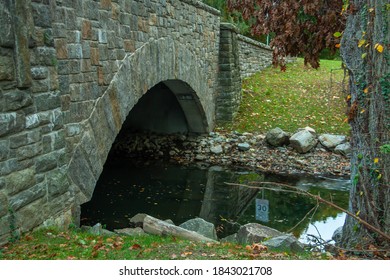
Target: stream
[(169, 191)]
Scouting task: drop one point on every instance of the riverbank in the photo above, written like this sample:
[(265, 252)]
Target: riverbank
[(233, 149)]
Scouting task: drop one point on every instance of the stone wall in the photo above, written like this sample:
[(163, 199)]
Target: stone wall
[(254, 56), (70, 72), (229, 91), (239, 58)]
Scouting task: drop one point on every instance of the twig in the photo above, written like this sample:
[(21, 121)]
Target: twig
[(320, 199), (304, 218)]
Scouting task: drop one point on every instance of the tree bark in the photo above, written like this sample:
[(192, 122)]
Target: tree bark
[(365, 53)]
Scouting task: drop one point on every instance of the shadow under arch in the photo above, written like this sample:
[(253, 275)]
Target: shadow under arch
[(163, 60)]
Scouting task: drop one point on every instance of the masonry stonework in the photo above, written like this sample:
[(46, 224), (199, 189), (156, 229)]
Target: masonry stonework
[(70, 73)]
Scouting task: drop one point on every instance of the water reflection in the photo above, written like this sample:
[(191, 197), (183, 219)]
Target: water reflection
[(168, 191)]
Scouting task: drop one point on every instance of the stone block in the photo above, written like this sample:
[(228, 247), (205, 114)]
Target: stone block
[(41, 14), (81, 174), (46, 162), (3, 204), (33, 214), (19, 181), (11, 123), (53, 141), (17, 99), (39, 73), (24, 139), (4, 228), (86, 30), (6, 30), (26, 197), (105, 4), (75, 51), (13, 165), (95, 56), (47, 101), (57, 182), (7, 70), (4, 149)]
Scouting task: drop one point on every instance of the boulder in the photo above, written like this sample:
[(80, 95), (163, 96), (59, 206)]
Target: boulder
[(243, 146), (343, 149), (216, 149), (138, 219), (285, 242), (310, 129), (277, 137), (200, 226), (130, 231), (230, 238), (330, 141), (99, 230), (158, 227), (303, 141), (255, 233)]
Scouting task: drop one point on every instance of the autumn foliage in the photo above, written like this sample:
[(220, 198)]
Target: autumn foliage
[(297, 27)]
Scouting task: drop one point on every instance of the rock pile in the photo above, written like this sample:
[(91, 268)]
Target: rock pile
[(200, 230), (275, 152)]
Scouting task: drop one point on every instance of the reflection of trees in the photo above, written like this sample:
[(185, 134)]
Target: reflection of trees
[(288, 209)]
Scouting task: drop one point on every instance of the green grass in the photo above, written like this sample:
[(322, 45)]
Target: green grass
[(294, 99), (54, 244)]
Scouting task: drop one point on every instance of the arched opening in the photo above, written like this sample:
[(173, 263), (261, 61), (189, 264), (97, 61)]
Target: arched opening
[(168, 111), (158, 111)]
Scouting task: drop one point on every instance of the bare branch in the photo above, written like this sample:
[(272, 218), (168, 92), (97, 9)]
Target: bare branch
[(319, 199)]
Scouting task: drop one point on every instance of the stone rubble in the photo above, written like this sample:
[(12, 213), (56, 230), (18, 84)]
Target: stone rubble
[(235, 150)]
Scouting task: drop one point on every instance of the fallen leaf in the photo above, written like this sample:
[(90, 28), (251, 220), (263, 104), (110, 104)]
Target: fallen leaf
[(135, 247), (379, 48)]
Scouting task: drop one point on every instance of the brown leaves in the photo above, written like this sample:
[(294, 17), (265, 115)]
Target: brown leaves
[(299, 27)]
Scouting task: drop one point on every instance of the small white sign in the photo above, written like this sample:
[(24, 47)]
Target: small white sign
[(262, 210)]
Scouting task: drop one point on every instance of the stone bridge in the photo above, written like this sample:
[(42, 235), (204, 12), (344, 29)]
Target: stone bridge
[(71, 71)]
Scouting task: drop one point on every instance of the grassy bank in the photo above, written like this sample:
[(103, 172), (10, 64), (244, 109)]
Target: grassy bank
[(52, 243), (297, 98)]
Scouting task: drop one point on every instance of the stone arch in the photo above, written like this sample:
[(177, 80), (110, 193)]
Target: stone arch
[(162, 60)]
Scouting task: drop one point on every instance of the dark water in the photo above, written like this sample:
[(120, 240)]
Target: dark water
[(169, 191)]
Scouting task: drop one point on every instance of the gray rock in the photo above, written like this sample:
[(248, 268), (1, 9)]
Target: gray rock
[(138, 218), (243, 146), (130, 231), (200, 157), (255, 233), (99, 230), (230, 239), (343, 149), (330, 141), (216, 149), (200, 226), (285, 242), (277, 137), (303, 141)]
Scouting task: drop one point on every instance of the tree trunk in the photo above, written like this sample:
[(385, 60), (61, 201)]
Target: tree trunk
[(365, 52)]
